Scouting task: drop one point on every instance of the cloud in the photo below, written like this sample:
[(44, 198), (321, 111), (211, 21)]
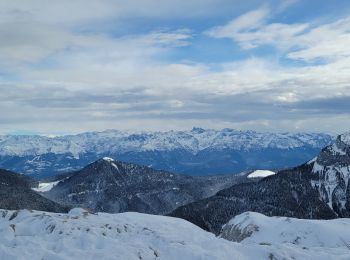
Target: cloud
[(286, 4), (304, 41), (67, 68), (248, 21), (251, 30), (252, 91), (68, 12), (329, 41)]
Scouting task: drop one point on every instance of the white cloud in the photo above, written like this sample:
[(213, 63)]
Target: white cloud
[(313, 41), (248, 21), (252, 29), (286, 4), (329, 41)]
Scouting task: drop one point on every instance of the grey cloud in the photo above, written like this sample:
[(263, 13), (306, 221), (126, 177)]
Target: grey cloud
[(59, 102), (332, 105)]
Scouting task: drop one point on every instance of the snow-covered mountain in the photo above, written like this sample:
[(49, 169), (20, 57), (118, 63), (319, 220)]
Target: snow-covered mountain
[(196, 152), (318, 189), (40, 235), (331, 174), (112, 186)]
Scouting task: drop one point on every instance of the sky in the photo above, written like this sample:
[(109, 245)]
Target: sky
[(72, 66)]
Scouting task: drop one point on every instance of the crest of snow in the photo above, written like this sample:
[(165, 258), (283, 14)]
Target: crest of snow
[(80, 235), (108, 159), (111, 161), (45, 186), (261, 174), (255, 228), (312, 160)]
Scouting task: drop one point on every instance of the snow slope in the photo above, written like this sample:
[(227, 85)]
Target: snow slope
[(256, 228), (260, 174), (45, 186), (127, 236)]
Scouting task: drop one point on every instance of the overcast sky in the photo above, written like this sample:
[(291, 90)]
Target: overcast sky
[(70, 66)]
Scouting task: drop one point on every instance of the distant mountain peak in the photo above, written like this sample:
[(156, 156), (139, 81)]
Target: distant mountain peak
[(198, 130), (105, 165)]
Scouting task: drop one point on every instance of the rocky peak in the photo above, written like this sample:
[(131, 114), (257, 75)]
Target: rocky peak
[(331, 171), (343, 143), (103, 166)]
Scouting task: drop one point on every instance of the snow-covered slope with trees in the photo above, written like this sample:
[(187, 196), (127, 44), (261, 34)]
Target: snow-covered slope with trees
[(318, 189), (196, 152), (112, 186), (16, 193), (39, 235)]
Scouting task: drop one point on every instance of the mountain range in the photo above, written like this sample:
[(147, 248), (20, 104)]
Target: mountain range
[(318, 189), (195, 152), (222, 204)]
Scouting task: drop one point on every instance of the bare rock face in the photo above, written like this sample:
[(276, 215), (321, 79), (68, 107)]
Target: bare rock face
[(331, 173), (237, 232)]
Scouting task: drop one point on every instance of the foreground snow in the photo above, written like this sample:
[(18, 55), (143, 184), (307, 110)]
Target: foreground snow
[(325, 236), (80, 235), (261, 174)]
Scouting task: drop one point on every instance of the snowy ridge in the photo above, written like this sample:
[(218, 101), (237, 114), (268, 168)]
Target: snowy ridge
[(256, 228), (194, 140), (80, 235)]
